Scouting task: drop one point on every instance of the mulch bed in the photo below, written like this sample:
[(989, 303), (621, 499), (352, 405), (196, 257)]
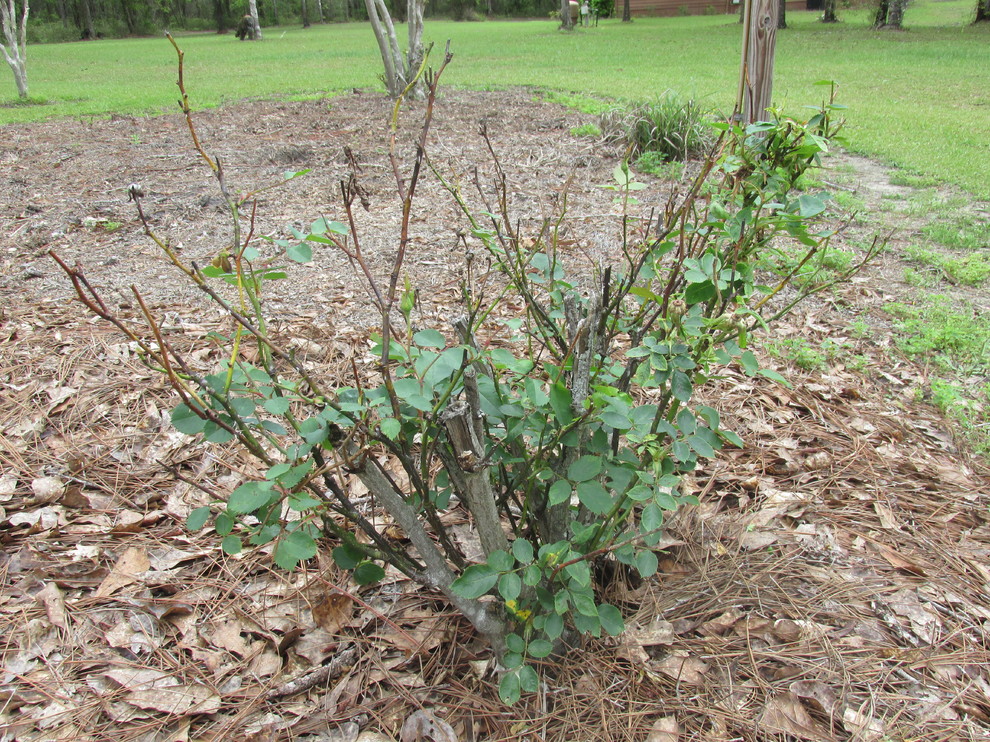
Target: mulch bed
[(832, 585)]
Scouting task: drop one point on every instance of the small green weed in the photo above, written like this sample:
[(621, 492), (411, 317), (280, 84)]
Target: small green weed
[(654, 163), (969, 270), (952, 338), (848, 201), (31, 100), (962, 231), (582, 103), (586, 130), (861, 329), (968, 407), (933, 204), (825, 267), (919, 279), (804, 354), (910, 179), (809, 182), (837, 260)]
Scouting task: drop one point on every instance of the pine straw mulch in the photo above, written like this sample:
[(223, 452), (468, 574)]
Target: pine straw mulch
[(832, 585)]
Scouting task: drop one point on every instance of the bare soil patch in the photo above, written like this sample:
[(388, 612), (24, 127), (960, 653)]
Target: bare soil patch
[(833, 584)]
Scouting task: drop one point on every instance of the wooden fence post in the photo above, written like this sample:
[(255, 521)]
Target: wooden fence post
[(756, 70)]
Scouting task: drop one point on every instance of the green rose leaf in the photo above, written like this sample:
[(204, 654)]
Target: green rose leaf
[(477, 580)]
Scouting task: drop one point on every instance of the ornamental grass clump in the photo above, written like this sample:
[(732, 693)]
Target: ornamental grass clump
[(674, 127)]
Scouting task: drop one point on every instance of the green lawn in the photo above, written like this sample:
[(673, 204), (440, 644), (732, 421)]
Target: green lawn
[(919, 99)]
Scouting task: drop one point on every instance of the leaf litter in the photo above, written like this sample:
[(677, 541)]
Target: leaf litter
[(833, 583)]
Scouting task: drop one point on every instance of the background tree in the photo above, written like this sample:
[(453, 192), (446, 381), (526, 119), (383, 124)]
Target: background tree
[(400, 70), (889, 15), (221, 15), (253, 12), (828, 14), (15, 46), (626, 12), (782, 14), (982, 11), (566, 20)]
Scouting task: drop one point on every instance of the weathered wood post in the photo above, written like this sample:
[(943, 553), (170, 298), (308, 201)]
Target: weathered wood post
[(756, 70)]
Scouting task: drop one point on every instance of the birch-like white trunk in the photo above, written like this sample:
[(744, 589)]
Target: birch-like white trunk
[(399, 70), (253, 12), (15, 48), (414, 56)]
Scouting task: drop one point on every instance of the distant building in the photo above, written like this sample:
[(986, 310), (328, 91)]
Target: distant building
[(699, 7)]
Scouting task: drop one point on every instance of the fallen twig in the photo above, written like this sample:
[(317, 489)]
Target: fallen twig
[(342, 662)]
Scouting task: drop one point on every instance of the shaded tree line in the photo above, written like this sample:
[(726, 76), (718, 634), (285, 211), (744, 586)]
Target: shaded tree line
[(64, 20)]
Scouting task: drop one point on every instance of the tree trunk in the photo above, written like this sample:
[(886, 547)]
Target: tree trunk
[(253, 12), (566, 20), (782, 14), (220, 12), (319, 11), (626, 12), (388, 46), (880, 19), (414, 57), (305, 14), (895, 17), (982, 11), (274, 12), (828, 16), (890, 15), (15, 46), (85, 16), (399, 71), (130, 19), (756, 70)]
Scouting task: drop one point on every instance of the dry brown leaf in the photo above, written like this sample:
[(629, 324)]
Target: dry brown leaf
[(823, 695), (266, 664), (42, 519), (925, 622), (756, 539), (333, 612), (131, 563), (176, 700), (721, 624), (887, 518), (47, 489), (54, 603), (8, 484), (423, 725), (784, 713), (138, 678), (316, 645), (664, 730), (658, 632), (427, 635), (682, 667), (228, 636), (862, 726), (898, 560)]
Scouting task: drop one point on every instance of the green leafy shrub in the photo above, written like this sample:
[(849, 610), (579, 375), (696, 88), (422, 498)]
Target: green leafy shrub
[(671, 126), (566, 442)]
